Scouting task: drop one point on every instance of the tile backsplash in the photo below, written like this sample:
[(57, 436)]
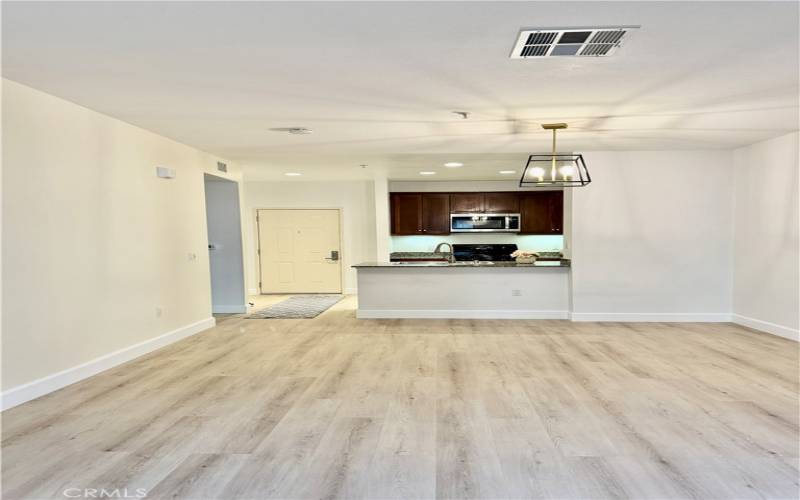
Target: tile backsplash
[(543, 243)]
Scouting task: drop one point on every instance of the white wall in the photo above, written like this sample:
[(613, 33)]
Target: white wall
[(450, 186), (355, 198), (93, 241), (415, 243), (383, 244), (652, 237), (766, 276), (225, 234)]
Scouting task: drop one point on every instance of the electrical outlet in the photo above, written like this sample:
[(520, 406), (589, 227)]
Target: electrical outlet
[(516, 293)]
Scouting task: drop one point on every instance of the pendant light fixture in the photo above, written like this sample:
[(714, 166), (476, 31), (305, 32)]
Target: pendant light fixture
[(555, 169)]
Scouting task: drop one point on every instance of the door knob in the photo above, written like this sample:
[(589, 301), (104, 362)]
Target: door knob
[(334, 256)]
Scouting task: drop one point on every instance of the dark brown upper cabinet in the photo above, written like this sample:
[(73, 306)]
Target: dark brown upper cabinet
[(542, 212), (557, 211), (436, 213), (501, 203), (420, 213), (466, 202), (406, 209)]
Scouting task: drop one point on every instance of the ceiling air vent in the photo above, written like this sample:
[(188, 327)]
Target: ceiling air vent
[(581, 42)]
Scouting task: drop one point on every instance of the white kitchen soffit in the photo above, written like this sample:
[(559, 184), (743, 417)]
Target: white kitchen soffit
[(579, 42)]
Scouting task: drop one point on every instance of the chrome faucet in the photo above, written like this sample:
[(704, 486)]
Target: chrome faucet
[(450, 256)]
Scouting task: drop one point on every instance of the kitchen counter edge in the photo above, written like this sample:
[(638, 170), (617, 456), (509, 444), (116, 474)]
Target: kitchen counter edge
[(446, 265)]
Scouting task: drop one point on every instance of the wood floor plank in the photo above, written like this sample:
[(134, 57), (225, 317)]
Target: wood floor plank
[(335, 407), (199, 476), (467, 465)]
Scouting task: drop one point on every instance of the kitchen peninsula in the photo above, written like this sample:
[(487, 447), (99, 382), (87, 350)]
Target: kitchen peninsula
[(465, 290), (477, 277)]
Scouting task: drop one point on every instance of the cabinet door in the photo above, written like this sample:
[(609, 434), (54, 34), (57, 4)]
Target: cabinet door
[(557, 212), (500, 203), (466, 202), (542, 212), (406, 213), (436, 213)]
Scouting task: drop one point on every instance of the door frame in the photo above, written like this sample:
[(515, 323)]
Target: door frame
[(237, 308), (257, 246)]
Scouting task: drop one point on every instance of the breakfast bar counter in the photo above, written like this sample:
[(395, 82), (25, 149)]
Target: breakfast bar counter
[(469, 264), (463, 290)]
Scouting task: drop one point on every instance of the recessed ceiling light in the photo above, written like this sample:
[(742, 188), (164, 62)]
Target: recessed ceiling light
[(427, 172), (506, 172), (453, 164), (293, 174)]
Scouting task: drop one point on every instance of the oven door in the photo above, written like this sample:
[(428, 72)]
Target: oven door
[(484, 223)]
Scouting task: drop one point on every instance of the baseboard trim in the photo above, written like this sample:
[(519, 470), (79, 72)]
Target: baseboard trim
[(459, 314), (653, 317), (45, 385), (229, 309), (350, 291), (767, 327)]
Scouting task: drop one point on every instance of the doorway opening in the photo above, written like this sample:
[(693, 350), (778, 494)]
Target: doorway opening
[(225, 256), (299, 250)]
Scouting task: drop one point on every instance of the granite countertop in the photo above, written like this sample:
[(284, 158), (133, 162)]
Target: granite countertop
[(539, 264), (419, 256)]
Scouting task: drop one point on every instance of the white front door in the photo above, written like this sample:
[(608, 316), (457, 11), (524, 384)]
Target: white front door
[(299, 251)]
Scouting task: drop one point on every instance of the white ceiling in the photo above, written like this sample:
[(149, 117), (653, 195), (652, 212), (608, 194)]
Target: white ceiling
[(377, 81)]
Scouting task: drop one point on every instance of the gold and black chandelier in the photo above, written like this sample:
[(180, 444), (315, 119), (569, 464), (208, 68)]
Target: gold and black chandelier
[(555, 169)]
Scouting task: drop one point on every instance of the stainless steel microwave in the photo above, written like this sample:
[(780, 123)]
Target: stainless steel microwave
[(484, 223)]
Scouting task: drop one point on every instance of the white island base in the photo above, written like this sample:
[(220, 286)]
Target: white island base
[(440, 291)]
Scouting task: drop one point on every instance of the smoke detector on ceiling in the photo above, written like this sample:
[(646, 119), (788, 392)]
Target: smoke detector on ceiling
[(293, 130), (580, 42)]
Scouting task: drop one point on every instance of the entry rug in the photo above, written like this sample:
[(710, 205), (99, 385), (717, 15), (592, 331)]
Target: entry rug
[(298, 306)]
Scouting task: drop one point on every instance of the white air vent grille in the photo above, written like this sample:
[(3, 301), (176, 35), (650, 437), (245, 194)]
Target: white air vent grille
[(581, 42)]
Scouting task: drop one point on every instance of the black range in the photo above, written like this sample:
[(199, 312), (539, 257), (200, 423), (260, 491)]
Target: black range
[(486, 252)]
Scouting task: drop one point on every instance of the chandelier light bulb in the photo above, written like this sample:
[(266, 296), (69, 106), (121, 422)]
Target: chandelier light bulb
[(537, 172)]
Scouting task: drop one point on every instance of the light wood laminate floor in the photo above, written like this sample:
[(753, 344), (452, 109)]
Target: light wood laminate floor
[(336, 407)]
